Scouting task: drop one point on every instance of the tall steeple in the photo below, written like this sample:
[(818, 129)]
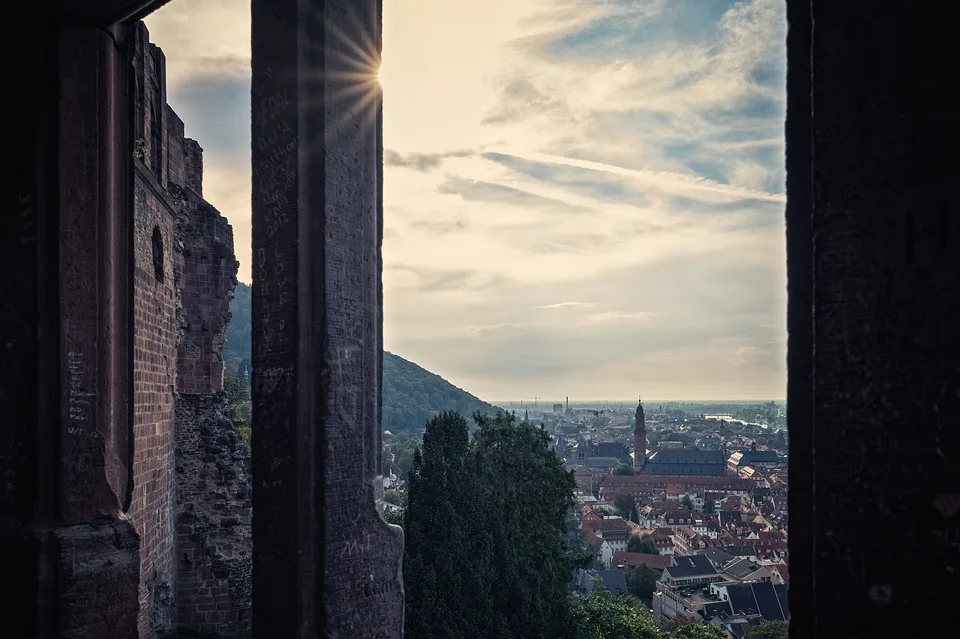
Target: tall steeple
[(639, 440)]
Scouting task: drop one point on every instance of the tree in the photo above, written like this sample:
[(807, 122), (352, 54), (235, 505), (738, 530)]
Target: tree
[(694, 630), (780, 440), (709, 506), (686, 501), (642, 543), (771, 630), (236, 389), (623, 470), (394, 516), (393, 497), (600, 615), (642, 582), (523, 493), (436, 531), (625, 506), (486, 552)]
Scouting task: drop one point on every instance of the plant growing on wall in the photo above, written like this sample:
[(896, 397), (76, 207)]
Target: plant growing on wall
[(140, 148)]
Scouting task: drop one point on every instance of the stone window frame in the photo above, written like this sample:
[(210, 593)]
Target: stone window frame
[(800, 263)]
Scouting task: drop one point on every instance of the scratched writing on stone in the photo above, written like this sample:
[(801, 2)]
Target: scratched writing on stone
[(353, 547), (273, 106), (275, 186), (78, 400), (275, 143), (270, 137), (28, 231)]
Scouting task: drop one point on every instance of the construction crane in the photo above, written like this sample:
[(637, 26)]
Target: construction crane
[(534, 398)]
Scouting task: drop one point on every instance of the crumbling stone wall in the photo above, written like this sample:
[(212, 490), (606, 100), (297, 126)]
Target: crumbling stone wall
[(208, 279), (214, 480), (214, 495), (193, 166)]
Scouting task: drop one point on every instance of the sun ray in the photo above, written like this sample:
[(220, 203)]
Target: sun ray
[(350, 82)]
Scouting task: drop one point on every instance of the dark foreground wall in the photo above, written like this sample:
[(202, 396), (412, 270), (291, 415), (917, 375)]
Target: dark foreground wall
[(873, 361), (329, 564), (874, 248)]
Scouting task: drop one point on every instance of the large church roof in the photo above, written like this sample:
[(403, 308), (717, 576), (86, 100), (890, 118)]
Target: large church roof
[(685, 462), (694, 470), (686, 457)]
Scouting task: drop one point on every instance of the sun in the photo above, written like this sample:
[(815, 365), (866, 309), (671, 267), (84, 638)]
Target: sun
[(381, 76)]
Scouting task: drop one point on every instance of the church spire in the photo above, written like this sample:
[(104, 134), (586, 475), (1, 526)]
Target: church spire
[(639, 439)]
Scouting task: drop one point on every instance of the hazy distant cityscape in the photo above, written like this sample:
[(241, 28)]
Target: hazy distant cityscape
[(680, 507)]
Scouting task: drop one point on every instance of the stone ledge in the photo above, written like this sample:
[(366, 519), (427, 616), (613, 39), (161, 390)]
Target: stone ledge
[(98, 573)]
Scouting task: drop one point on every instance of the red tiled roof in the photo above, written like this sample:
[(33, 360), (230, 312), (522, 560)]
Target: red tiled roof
[(626, 483), (613, 528), (589, 539)]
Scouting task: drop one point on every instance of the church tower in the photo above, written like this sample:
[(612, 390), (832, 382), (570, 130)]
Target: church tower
[(639, 440)]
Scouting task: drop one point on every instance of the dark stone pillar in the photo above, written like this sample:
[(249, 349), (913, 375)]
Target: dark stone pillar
[(65, 247), (324, 560), (884, 378)]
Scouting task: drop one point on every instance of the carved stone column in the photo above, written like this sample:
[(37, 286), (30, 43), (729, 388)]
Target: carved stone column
[(325, 563)]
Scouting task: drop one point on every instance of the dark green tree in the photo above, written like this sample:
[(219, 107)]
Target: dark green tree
[(780, 440), (623, 470), (626, 507), (686, 501), (709, 506), (487, 553), (642, 543), (642, 582), (437, 535), (524, 494), (771, 630)]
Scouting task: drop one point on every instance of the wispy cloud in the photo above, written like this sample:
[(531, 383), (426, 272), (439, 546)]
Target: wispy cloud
[(676, 183), (420, 161), (613, 317), (568, 305)]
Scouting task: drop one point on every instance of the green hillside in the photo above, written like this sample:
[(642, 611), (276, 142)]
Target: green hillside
[(411, 394)]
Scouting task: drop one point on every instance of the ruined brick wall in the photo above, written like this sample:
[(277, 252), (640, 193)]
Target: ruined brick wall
[(175, 154), (155, 347), (214, 542), (193, 165), (155, 356), (214, 481), (209, 277)]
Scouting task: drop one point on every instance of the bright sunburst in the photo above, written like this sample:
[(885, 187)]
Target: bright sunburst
[(355, 85)]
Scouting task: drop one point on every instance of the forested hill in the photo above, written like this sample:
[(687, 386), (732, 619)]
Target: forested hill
[(411, 394)]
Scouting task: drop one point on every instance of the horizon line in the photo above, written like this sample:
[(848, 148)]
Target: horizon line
[(651, 401)]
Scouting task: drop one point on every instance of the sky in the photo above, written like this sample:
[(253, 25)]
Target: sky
[(582, 198)]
